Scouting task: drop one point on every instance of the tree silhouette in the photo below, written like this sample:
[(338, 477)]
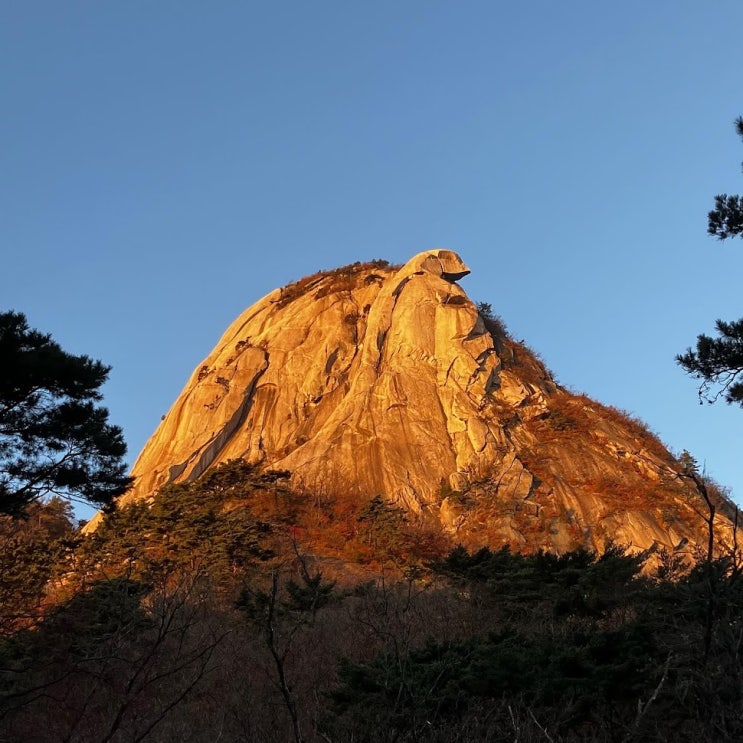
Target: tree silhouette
[(726, 219), (718, 362), (54, 438)]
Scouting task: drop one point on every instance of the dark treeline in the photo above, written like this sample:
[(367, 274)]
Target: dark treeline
[(209, 615)]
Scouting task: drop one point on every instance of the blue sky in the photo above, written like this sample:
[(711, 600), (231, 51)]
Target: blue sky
[(165, 164)]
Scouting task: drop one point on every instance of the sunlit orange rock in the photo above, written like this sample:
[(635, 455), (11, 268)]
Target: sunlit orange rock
[(376, 379)]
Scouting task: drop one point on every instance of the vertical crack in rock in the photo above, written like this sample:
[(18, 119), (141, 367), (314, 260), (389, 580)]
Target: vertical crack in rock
[(481, 366), (382, 333), (511, 476), (397, 291), (381, 337), (330, 362), (445, 417), (211, 450)]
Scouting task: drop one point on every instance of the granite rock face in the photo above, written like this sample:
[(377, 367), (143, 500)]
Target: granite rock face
[(374, 379)]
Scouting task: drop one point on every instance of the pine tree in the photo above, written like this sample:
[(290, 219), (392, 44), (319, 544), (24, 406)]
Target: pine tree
[(726, 219), (718, 362), (54, 438)]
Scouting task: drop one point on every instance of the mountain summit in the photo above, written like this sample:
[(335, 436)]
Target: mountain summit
[(386, 380)]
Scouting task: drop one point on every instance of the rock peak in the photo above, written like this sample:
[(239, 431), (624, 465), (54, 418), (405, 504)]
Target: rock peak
[(376, 379), (440, 262)]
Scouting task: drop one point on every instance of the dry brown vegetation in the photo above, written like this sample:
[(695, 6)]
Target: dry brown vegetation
[(345, 278), (181, 631)]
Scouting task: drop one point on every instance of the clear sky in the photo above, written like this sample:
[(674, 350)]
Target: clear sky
[(165, 163)]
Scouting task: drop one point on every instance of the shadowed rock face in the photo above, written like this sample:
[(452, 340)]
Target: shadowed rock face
[(376, 379)]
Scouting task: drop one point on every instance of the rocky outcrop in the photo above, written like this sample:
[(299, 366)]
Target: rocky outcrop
[(379, 379)]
